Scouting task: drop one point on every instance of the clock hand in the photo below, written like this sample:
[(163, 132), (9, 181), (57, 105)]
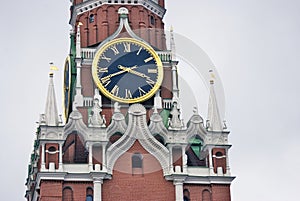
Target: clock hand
[(107, 78), (130, 70)]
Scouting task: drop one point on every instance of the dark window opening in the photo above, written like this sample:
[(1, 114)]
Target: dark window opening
[(137, 164), (152, 20), (89, 194), (186, 195), (219, 154), (52, 149), (92, 18)]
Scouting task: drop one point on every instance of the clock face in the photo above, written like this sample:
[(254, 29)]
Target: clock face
[(127, 70)]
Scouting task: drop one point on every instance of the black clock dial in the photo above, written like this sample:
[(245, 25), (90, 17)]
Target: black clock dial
[(128, 71)]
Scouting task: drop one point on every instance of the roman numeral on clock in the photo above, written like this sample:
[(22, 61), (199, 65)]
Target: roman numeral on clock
[(105, 58), (127, 47), (150, 82), (115, 90), (142, 92), (128, 93), (102, 70), (114, 49), (154, 71)]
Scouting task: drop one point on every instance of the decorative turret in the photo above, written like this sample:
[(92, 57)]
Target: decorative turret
[(214, 122), (50, 118), (78, 100)]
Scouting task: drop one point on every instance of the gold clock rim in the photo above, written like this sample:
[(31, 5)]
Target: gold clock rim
[(123, 100)]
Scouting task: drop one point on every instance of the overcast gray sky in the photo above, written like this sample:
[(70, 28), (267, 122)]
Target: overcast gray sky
[(254, 45)]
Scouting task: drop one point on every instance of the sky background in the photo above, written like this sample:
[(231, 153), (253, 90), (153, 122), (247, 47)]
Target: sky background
[(254, 45)]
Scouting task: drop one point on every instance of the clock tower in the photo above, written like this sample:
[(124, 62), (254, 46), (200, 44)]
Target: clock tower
[(123, 136)]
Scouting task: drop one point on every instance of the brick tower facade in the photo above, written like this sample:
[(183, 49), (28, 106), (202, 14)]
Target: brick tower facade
[(110, 150)]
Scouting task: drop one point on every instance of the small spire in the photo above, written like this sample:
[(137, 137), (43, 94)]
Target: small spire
[(214, 122), (78, 41), (172, 43), (51, 114)]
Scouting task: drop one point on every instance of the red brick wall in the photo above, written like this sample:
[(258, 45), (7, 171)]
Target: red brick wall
[(166, 88), (50, 190), (107, 21), (148, 187), (196, 191), (220, 192), (79, 189)]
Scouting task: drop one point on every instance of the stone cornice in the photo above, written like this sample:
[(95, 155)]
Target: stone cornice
[(92, 4)]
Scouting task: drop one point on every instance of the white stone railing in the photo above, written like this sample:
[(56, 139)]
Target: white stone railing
[(167, 103), (88, 53), (87, 102), (165, 56), (76, 168)]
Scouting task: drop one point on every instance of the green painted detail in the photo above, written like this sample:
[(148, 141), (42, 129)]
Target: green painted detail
[(73, 70), (165, 116), (196, 145)]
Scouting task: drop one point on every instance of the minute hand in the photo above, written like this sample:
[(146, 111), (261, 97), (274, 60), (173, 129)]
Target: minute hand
[(106, 78), (148, 79)]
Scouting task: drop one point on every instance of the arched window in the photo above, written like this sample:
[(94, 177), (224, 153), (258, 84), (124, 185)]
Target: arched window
[(152, 20), (137, 163), (219, 154), (186, 195), (67, 194), (89, 194), (206, 195), (52, 149), (92, 18)]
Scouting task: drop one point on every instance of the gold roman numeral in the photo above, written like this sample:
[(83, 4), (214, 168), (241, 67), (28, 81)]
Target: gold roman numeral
[(127, 47), (147, 60), (154, 71), (150, 82), (107, 83), (142, 92), (128, 94), (102, 70), (115, 90), (114, 49), (105, 58)]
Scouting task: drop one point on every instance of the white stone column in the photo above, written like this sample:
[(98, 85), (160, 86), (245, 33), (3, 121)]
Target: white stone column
[(184, 160), (175, 87), (43, 157), (171, 159), (227, 163), (60, 163), (90, 156), (178, 190), (210, 158), (98, 189), (103, 158)]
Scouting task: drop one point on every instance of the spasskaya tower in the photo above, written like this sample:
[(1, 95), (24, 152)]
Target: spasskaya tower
[(123, 137)]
